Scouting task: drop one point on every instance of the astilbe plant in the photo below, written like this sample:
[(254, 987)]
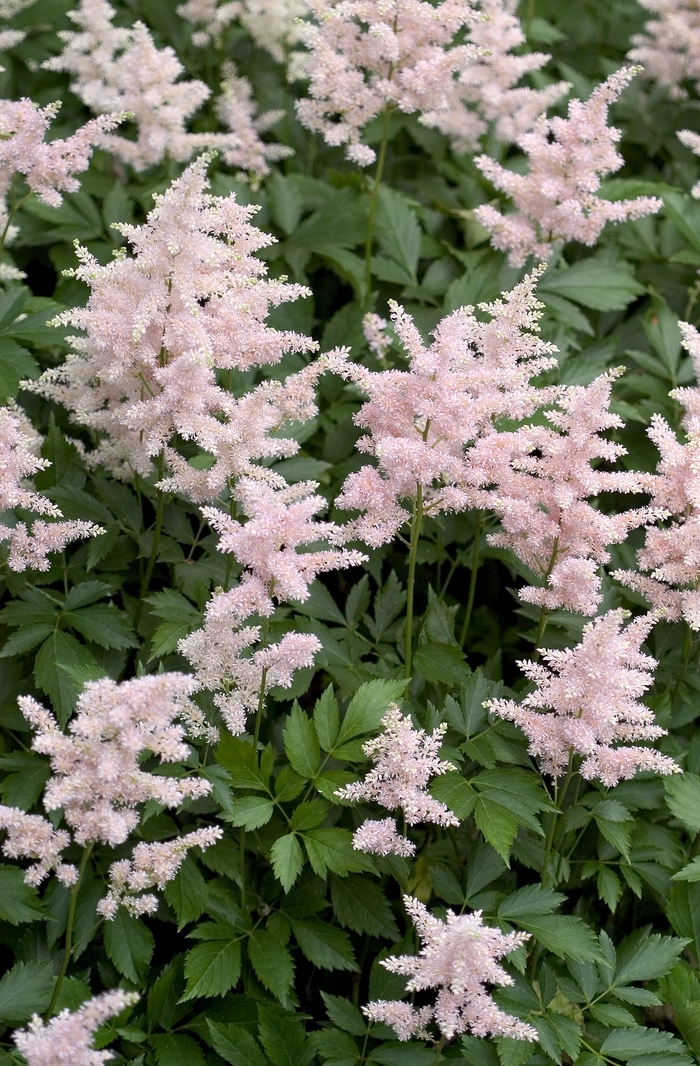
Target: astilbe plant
[(669, 48), (557, 199)]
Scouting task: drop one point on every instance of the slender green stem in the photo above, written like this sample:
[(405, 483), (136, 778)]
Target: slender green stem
[(158, 528), (68, 949), (438, 1050), (256, 737), (687, 648), (472, 579), (554, 816), (544, 613), (412, 555), (373, 192)]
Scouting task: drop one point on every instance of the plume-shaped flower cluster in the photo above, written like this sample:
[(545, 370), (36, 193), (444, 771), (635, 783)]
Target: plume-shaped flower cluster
[(459, 957), (669, 48), (49, 168), (18, 461), (29, 836), (221, 656), (405, 760), (192, 299), (557, 199), (97, 780), (236, 109), (586, 703), (151, 865), (68, 1037), (422, 421), (210, 18), (117, 69), (670, 559), (539, 478)]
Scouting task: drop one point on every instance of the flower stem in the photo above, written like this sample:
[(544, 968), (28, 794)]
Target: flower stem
[(413, 552), (68, 949), (472, 579), (256, 737), (381, 159), (158, 528)]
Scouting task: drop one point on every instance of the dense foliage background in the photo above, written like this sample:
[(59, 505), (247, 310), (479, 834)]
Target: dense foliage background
[(232, 967)]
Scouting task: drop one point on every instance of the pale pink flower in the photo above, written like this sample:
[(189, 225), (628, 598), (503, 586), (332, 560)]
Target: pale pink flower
[(29, 836), (459, 957), (539, 478), (590, 696), (422, 421), (692, 140), (374, 328), (669, 49), (405, 1020), (405, 759), (115, 69), (97, 780), (276, 25), (150, 866), (66, 1040), (236, 109), (193, 298), (382, 838), (401, 54), (222, 660), (18, 461), (210, 18), (49, 168), (490, 82), (557, 200), (279, 522)]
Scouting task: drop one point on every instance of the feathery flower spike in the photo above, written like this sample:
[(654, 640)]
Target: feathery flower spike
[(587, 702), (405, 760), (458, 957), (557, 200), (68, 1038), (29, 836), (669, 48)]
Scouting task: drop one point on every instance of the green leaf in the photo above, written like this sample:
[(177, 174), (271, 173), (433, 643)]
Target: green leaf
[(287, 860), (252, 811), (16, 364), (105, 625), (62, 650), (285, 202), (564, 935), (630, 1043), (324, 945), (187, 892), (683, 799), (456, 793), (331, 849), (129, 945), (497, 824), (26, 639), (327, 719), (530, 902), (272, 962), (212, 968), (235, 1045), (344, 1014), (25, 990), (595, 283), (339, 221), (398, 231), (335, 1046), (241, 760), (24, 780), (368, 706), (19, 902), (176, 1049), (441, 663), (683, 912), (360, 905), (301, 743), (282, 1037), (646, 956)]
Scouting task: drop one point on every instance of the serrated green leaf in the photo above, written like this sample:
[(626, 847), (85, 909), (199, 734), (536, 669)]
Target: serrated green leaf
[(287, 860), (324, 945), (301, 743), (212, 968), (104, 625), (272, 963), (252, 811), (344, 1014), (176, 1049), (129, 945), (282, 1036), (331, 849), (683, 799), (19, 902), (497, 824), (187, 892), (25, 990), (565, 935), (360, 905), (235, 1045), (368, 706), (25, 775), (61, 649), (530, 902)]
